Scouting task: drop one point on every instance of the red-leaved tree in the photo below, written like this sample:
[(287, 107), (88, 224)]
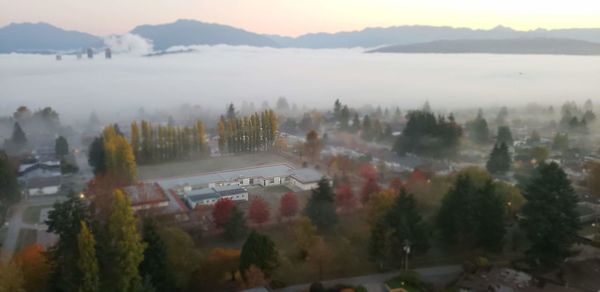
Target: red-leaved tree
[(259, 211), (369, 188), (221, 211), (288, 205), (396, 184), (344, 198)]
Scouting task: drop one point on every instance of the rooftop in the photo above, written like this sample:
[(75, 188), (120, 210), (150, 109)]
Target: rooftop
[(214, 193), (42, 182), (145, 193)]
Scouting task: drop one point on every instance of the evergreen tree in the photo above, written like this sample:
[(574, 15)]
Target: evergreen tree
[(499, 161), (355, 123), (87, 262), (259, 250), (9, 187), (231, 113), (551, 219), (344, 117), (561, 142), (367, 129), (504, 135), (400, 225), (126, 245), (337, 108), (426, 135), (235, 227), (61, 147), (18, 136), (479, 130), (490, 218), (65, 221), (321, 206), (154, 266), (472, 215)]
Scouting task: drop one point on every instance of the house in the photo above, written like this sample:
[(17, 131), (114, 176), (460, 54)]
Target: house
[(305, 178), (209, 196), (43, 186)]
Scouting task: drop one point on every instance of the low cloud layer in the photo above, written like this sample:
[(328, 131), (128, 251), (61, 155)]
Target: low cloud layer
[(213, 76), (131, 44)]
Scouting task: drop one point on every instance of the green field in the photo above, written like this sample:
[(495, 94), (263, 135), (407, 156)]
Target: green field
[(182, 168), (32, 214)]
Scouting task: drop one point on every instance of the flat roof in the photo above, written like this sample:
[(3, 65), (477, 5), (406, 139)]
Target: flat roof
[(266, 171), (306, 175), (145, 193), (214, 193)]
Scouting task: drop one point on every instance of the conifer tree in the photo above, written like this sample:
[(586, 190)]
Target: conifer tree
[(551, 219), (504, 135), (87, 262), (321, 206), (235, 227), (18, 136), (61, 146), (135, 139), (499, 161), (259, 250), (9, 186), (126, 245)]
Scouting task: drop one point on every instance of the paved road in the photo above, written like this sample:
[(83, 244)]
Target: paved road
[(439, 275), (15, 223)]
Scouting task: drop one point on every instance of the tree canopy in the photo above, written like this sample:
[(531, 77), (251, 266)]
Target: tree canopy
[(424, 134), (321, 206)]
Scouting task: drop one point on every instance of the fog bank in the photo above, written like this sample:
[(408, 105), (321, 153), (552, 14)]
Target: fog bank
[(213, 76)]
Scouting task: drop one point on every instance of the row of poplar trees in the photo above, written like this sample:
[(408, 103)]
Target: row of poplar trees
[(119, 159), (158, 143), (253, 133)]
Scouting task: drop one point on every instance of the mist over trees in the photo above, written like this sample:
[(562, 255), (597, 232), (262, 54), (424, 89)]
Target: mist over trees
[(428, 135)]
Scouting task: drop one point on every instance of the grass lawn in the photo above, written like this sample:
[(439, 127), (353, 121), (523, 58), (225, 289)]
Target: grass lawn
[(26, 237), (181, 168), (32, 214)]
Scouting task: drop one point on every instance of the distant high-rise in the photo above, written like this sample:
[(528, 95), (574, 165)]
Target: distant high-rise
[(90, 53), (108, 53), (58, 57)]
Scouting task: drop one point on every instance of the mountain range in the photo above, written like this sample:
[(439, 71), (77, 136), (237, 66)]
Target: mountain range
[(43, 37), (521, 46)]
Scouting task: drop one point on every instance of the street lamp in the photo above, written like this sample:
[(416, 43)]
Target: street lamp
[(406, 249)]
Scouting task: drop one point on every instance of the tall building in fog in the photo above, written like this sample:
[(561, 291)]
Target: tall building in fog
[(90, 53), (108, 53)]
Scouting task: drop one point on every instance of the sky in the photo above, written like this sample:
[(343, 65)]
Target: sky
[(296, 17)]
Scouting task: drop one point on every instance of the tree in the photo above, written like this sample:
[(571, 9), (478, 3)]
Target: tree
[(355, 123), (65, 221), (305, 235), (34, 266), (96, 156), (321, 206), (428, 135), (259, 250), (313, 145), (231, 113), (472, 212), (125, 244), (561, 142), (226, 260), (18, 137), (479, 130), (344, 198), (154, 266), (87, 262), (235, 227), (344, 117), (396, 184), (259, 211), (504, 135), (401, 223), (11, 278), (9, 187), (61, 147), (499, 161), (221, 211), (319, 256), (593, 179), (551, 220), (490, 213), (288, 206), (254, 277), (502, 116)]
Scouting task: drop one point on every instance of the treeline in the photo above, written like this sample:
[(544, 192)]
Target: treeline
[(158, 143), (111, 154), (428, 135), (253, 133)]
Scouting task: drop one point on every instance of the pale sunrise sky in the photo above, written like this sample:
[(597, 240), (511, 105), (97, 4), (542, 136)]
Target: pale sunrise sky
[(295, 17)]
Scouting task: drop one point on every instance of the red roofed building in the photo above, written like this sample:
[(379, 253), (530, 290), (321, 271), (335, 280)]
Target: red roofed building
[(150, 198), (417, 176)]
